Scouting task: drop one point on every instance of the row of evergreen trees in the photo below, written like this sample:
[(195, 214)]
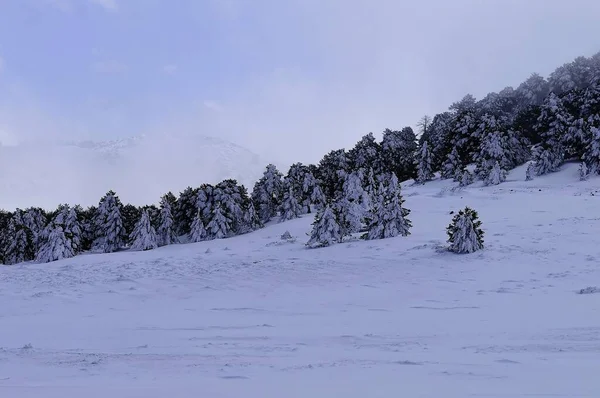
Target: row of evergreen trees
[(354, 191)]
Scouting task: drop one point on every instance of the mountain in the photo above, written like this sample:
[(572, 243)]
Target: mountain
[(253, 315), (140, 169)]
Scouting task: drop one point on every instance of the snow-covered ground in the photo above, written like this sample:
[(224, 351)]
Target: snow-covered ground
[(254, 316)]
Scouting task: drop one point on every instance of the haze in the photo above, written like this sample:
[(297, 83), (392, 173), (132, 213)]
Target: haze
[(289, 80)]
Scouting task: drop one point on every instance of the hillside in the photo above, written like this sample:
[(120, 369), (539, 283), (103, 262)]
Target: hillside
[(141, 169), (254, 316)]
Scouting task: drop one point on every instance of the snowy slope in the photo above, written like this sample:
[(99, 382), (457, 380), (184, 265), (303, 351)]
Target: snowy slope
[(139, 169), (253, 316)]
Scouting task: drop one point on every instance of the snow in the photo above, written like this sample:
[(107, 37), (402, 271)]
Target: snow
[(255, 316)]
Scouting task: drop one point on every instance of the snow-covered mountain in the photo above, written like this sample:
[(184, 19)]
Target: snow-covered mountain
[(140, 169), (258, 316)]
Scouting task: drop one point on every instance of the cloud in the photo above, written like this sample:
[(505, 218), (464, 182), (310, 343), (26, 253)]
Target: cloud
[(212, 105), (109, 5), (109, 67), (170, 69)]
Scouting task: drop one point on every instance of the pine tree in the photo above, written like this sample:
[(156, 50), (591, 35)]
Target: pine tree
[(496, 175), (398, 148), (20, 241), (296, 178), (464, 233), (130, 215), (329, 172), (552, 126), (66, 217), (267, 193), (424, 164), (251, 222), (387, 217), (584, 172), (312, 190), (591, 156), (143, 236), (110, 233), (530, 172), (56, 245), (465, 177), (326, 230), (166, 225), (197, 231), (290, 209), (366, 153), (453, 165), (219, 226), (353, 204), (185, 210)]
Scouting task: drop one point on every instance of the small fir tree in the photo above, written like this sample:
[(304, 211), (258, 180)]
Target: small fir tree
[(56, 245), (465, 177), (290, 209), (530, 172), (326, 229), (387, 217), (424, 164), (219, 226), (198, 232), (496, 175), (584, 172), (453, 165), (166, 225), (143, 236), (464, 233)]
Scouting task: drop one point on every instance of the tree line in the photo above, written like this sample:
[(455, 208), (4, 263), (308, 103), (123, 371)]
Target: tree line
[(543, 121)]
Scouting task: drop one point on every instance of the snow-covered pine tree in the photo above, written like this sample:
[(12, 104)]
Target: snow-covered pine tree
[(326, 229), (453, 165), (56, 245), (267, 193), (530, 172), (366, 153), (312, 190), (387, 217), (219, 226), (591, 156), (197, 231), (166, 225), (34, 219), (20, 241), (88, 228), (290, 209), (465, 177), (491, 150), (143, 236), (130, 215), (329, 172), (232, 198), (353, 204), (110, 233), (67, 218), (296, 178), (464, 233), (398, 148), (250, 221), (584, 172), (424, 164), (185, 210), (496, 175), (552, 126)]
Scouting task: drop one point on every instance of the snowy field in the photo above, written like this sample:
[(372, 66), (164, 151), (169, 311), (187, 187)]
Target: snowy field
[(254, 316)]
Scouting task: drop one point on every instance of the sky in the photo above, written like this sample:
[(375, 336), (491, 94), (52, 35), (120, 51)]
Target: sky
[(289, 80)]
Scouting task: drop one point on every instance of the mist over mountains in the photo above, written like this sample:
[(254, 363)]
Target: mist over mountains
[(140, 169)]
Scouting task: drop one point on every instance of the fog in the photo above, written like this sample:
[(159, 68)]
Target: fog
[(288, 80)]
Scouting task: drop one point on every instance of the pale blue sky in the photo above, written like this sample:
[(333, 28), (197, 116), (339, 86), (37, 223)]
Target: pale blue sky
[(292, 78)]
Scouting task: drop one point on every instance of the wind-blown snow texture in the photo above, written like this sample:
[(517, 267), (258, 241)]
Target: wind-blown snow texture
[(255, 316)]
